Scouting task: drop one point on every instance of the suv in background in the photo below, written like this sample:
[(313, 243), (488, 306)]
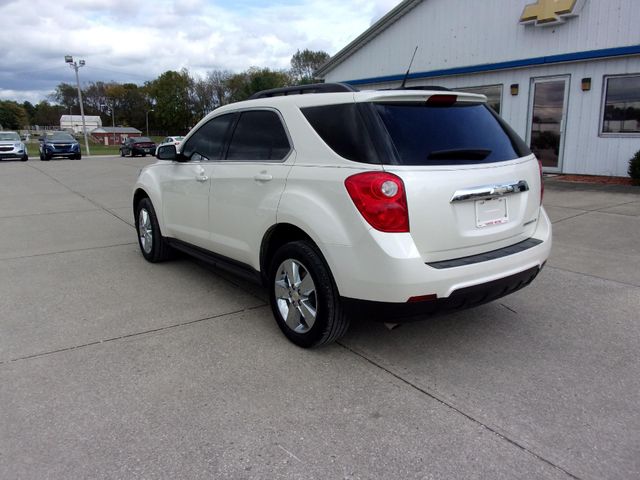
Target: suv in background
[(385, 204), (133, 146), (59, 144), (11, 146)]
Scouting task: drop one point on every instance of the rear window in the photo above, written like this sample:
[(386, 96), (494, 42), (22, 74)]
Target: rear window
[(446, 135), (416, 134)]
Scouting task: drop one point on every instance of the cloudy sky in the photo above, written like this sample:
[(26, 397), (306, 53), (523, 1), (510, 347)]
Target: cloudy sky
[(136, 40)]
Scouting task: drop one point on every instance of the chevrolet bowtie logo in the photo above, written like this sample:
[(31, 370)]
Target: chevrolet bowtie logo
[(548, 12)]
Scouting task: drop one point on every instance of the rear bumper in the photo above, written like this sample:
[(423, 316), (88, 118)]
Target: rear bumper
[(389, 269), (460, 299)]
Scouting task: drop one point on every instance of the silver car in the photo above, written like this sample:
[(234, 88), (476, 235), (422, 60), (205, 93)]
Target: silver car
[(11, 146)]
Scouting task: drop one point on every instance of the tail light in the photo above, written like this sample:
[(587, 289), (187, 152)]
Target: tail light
[(541, 182), (380, 198)]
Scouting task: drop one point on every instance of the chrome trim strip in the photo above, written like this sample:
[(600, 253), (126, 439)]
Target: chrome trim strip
[(489, 191)]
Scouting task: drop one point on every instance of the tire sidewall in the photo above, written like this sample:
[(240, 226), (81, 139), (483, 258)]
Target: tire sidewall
[(327, 298), (154, 254)]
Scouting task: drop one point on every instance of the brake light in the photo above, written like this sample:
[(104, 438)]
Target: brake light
[(541, 182), (441, 100), (380, 198)]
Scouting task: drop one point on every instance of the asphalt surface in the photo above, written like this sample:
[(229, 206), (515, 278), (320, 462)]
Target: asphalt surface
[(111, 367)]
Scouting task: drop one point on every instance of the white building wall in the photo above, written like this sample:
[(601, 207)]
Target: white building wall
[(585, 150), (465, 33), (474, 32)]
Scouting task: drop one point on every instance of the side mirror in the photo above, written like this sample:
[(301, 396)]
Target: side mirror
[(169, 152)]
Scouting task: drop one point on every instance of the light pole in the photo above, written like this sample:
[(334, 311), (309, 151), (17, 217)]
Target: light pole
[(76, 66), (111, 111), (148, 112)]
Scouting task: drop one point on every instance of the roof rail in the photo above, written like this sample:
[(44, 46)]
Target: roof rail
[(302, 89)]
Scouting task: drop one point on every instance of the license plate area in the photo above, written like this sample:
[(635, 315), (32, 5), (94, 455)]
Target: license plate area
[(491, 211)]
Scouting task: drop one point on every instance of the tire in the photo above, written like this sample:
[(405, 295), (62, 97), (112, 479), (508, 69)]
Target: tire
[(121, 153), (300, 283), (152, 244), (24, 158), (131, 153)]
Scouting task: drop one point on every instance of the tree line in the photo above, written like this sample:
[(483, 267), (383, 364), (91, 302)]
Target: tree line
[(173, 102)]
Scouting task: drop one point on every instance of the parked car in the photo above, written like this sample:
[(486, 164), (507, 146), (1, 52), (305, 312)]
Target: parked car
[(174, 140), (133, 146), (59, 144), (11, 146), (383, 204)]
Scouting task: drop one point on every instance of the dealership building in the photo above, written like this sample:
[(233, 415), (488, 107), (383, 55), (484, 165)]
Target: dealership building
[(565, 74)]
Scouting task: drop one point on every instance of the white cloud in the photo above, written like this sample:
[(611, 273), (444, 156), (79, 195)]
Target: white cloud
[(134, 41)]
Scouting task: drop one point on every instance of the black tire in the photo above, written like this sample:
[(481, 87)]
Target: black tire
[(121, 152), (159, 250), (132, 155), (24, 158), (41, 156), (330, 321)]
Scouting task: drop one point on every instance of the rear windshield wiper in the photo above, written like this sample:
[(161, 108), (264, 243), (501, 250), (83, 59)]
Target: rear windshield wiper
[(460, 154)]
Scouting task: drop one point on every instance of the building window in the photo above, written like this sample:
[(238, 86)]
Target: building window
[(492, 92), (621, 113)]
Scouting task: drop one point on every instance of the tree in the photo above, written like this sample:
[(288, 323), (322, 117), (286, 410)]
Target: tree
[(305, 63), (47, 114), (31, 111), (67, 96), (243, 85), (13, 116), (170, 94), (210, 92)]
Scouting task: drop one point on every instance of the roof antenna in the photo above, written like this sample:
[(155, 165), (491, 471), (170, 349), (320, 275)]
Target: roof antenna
[(406, 75)]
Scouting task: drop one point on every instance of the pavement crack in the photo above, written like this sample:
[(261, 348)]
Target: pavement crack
[(129, 335), (90, 200), (67, 251), (572, 216), (508, 308), (459, 411), (619, 282)]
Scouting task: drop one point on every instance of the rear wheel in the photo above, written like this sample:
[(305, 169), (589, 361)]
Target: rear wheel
[(303, 296), (153, 245)]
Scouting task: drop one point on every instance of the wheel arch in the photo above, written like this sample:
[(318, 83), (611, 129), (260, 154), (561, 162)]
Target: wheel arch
[(277, 236)]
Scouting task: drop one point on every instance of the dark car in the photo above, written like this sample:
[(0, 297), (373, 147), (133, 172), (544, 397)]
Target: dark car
[(133, 146), (59, 144)]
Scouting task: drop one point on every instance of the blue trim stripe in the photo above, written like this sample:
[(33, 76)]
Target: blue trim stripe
[(489, 67)]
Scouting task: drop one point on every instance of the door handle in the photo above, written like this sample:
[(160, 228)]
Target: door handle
[(263, 177), (202, 178)]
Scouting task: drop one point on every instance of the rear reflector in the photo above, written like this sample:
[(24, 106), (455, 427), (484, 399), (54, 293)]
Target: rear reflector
[(423, 298)]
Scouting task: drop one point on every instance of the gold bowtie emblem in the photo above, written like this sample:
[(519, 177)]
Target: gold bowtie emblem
[(547, 11)]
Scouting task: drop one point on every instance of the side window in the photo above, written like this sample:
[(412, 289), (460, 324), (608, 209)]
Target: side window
[(259, 135), (208, 141)]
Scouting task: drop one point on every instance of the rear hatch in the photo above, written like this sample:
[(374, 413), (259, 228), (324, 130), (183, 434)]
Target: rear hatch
[(472, 184)]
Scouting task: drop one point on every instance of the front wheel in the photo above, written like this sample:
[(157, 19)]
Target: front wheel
[(24, 158), (153, 246), (303, 296)]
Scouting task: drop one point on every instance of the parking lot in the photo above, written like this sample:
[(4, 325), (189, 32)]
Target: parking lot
[(111, 367)]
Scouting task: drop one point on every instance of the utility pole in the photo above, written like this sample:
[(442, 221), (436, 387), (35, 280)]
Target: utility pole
[(148, 112), (76, 65)]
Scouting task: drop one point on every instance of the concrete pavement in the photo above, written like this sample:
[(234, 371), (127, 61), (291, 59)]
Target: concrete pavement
[(111, 367)]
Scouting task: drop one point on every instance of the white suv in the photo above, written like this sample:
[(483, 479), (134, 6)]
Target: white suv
[(386, 204)]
